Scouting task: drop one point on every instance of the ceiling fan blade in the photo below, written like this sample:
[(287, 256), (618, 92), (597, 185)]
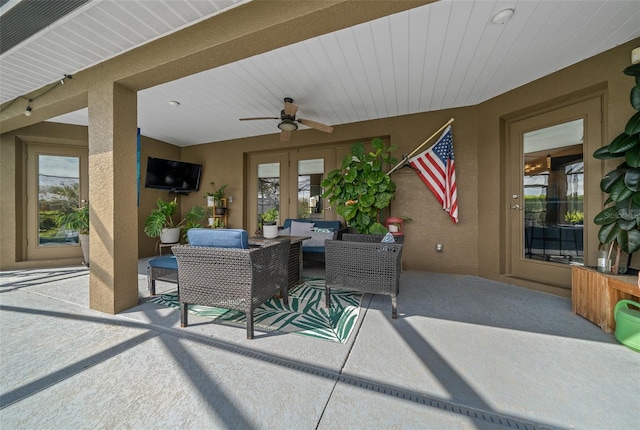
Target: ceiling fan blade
[(285, 135), (316, 125), (290, 109), (259, 117)]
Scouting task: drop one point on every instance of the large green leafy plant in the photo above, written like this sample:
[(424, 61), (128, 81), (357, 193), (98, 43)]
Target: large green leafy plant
[(361, 188), (620, 220), (162, 217)]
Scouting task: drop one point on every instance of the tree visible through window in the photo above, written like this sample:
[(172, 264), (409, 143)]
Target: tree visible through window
[(58, 193)]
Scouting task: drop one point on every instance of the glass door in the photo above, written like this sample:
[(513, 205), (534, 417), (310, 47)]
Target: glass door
[(56, 185), (309, 169), (547, 200), (553, 193), (268, 184)]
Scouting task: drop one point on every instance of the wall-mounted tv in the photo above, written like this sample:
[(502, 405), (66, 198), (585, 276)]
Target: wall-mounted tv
[(176, 176)]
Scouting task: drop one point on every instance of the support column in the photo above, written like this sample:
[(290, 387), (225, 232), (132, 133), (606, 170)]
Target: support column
[(113, 235)]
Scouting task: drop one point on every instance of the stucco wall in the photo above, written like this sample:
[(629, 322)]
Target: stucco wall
[(148, 196)]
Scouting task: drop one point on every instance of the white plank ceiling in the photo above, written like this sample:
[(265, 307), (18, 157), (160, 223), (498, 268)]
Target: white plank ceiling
[(444, 55)]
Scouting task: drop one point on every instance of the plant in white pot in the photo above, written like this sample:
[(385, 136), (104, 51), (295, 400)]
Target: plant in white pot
[(270, 223), (215, 198), (160, 222), (78, 220)]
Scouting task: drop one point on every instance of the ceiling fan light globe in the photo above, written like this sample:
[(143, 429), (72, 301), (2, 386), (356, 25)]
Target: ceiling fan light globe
[(287, 125)]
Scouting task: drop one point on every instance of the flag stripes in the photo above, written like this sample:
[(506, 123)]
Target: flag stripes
[(436, 168)]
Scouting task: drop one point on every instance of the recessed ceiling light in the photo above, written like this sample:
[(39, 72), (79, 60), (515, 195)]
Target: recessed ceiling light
[(174, 103), (502, 17)]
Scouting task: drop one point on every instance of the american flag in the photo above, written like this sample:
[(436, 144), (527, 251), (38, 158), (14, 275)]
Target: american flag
[(436, 168)]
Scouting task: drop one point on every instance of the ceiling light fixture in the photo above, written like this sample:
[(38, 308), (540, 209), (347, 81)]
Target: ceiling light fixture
[(288, 124), (174, 103), (27, 111), (502, 17)]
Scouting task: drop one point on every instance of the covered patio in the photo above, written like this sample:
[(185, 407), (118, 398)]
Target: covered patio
[(465, 352)]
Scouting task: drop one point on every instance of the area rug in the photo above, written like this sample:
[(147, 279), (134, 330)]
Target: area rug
[(305, 315)]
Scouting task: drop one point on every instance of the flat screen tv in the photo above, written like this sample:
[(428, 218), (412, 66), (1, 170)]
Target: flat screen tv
[(176, 176)]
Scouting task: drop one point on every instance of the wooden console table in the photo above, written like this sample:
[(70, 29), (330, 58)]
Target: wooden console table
[(594, 294)]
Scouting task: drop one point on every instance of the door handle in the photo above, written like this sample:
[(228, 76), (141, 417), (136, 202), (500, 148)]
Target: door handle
[(516, 207)]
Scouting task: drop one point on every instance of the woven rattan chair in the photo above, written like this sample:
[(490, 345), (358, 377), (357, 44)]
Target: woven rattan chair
[(239, 279), (365, 266), (377, 238)]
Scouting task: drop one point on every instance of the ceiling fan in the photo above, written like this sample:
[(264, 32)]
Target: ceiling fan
[(288, 121)]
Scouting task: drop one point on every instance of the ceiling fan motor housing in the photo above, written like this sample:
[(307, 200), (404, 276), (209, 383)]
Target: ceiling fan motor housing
[(284, 116)]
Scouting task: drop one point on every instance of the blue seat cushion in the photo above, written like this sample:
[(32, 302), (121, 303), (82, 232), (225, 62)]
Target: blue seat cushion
[(219, 237), (313, 249), (166, 262)]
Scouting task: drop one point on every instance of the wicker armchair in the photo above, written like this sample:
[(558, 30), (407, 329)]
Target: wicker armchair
[(363, 265), (230, 278), (377, 238)]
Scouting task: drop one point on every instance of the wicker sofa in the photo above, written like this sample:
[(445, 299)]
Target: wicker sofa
[(217, 269), (313, 249), (360, 262)]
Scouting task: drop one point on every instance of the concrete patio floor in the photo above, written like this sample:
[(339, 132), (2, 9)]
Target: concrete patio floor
[(464, 353)]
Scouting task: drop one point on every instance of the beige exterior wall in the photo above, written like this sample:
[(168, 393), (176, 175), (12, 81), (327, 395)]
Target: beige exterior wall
[(474, 246), (148, 196)]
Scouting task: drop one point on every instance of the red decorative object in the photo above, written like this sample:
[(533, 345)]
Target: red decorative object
[(392, 222)]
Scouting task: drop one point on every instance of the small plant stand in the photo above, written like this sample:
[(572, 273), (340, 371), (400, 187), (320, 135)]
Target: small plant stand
[(219, 221)]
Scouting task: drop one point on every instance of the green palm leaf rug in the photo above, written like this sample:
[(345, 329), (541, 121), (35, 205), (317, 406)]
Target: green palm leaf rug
[(305, 315)]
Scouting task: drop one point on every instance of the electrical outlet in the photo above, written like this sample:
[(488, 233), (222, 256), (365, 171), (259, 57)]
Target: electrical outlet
[(439, 247)]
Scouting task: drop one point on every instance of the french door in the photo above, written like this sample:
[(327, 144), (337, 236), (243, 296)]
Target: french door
[(56, 185), (550, 208), (268, 184), (289, 181), (308, 169)]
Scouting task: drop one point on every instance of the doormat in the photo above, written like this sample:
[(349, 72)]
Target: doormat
[(305, 315)]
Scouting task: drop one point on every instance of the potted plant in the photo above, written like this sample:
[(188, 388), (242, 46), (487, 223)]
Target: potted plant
[(78, 220), (620, 219), (360, 189), (574, 216), (215, 198), (395, 225), (269, 223), (160, 222)]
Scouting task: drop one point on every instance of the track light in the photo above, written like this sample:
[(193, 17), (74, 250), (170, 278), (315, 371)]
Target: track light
[(65, 77), (27, 111)]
